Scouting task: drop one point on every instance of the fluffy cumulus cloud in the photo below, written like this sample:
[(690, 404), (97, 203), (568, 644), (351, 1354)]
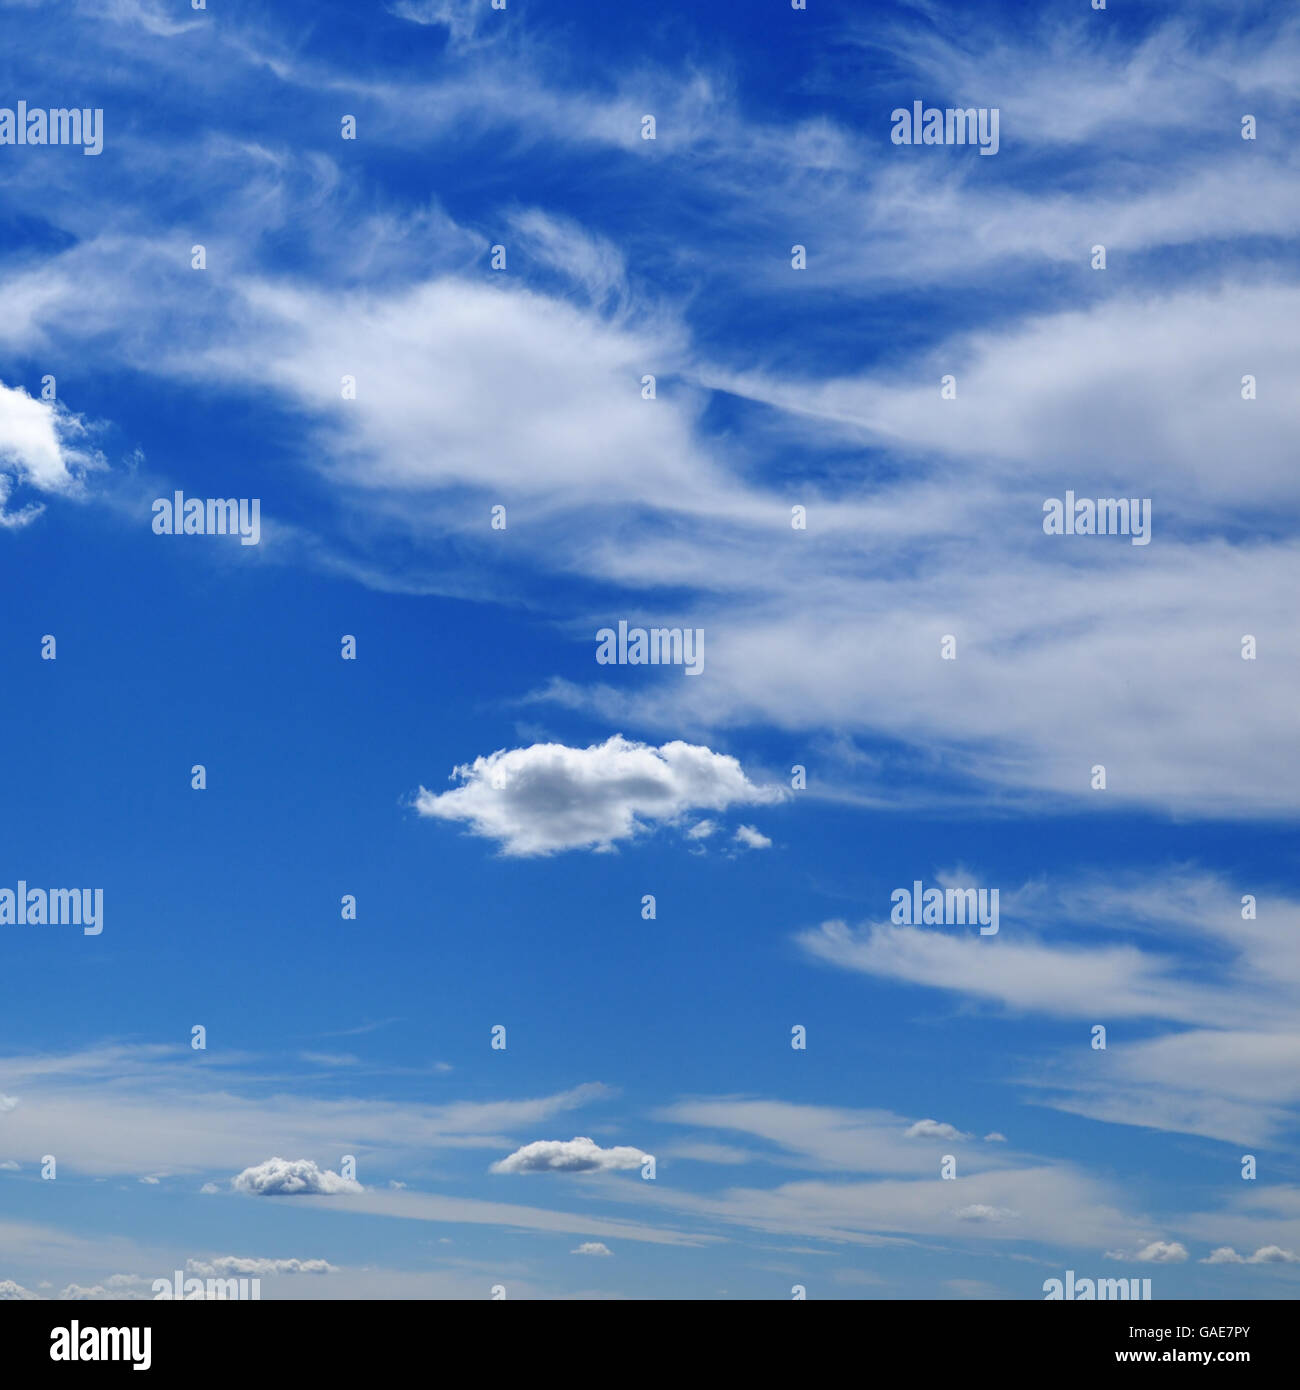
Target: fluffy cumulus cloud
[(7, 1103), (550, 797), (934, 1129), (1157, 1252), (751, 838), (592, 1247), (14, 1293), (1162, 1252), (283, 1177), (37, 449), (982, 1211), (1265, 1255), (578, 1155), (224, 1266), (83, 1293), (114, 1288)]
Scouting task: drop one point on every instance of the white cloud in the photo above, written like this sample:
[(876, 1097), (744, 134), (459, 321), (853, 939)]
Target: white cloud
[(226, 1265), (578, 1155), (1054, 1204), (811, 1136), (550, 797), (7, 1103), (701, 830), (97, 1293), (115, 1287), (710, 1153), (751, 838), (151, 1115), (982, 1211), (425, 416), (974, 1289), (1265, 1255), (1162, 1252), (1023, 973), (37, 449), (1060, 356), (590, 263), (444, 1210), (999, 1196), (459, 19), (9, 1166), (592, 1247), (1238, 1081), (15, 1292), (1061, 87), (282, 1177), (1273, 1255), (1014, 666), (995, 1138), (854, 649), (933, 1129), (1039, 681), (800, 634), (150, 16)]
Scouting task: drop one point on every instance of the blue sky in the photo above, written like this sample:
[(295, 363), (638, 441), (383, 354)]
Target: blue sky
[(498, 802)]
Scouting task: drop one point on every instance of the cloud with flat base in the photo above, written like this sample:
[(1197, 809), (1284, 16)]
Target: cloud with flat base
[(580, 1155), (283, 1177), (549, 797), (1265, 1255)]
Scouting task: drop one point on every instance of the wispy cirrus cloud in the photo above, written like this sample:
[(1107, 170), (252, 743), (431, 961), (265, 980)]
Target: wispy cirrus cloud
[(144, 1103), (1226, 1058)]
